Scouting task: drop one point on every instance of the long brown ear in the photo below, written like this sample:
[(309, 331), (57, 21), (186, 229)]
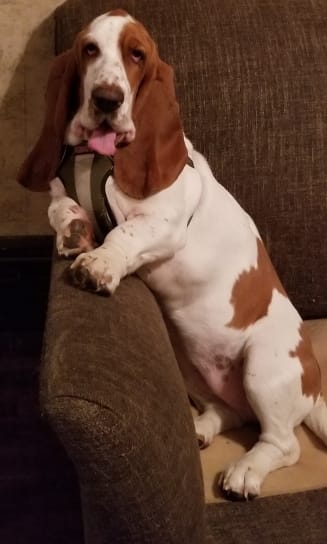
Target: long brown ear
[(41, 164), (158, 154)]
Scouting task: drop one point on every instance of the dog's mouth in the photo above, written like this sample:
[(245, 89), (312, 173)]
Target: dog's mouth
[(105, 140)]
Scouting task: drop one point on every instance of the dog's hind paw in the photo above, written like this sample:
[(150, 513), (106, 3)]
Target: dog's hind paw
[(240, 481)]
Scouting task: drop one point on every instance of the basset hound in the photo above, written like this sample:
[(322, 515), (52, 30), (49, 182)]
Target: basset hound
[(243, 349)]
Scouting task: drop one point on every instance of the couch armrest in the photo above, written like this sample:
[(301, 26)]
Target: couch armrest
[(112, 390)]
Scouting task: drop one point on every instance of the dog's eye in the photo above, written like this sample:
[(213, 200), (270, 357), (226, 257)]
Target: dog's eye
[(137, 55), (91, 49)]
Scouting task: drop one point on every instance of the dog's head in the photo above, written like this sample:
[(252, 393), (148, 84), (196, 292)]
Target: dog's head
[(112, 90)]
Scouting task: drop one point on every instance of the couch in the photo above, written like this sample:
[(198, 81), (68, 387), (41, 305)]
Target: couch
[(251, 79)]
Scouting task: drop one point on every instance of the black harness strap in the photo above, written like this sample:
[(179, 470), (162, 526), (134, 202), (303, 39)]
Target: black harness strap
[(101, 168)]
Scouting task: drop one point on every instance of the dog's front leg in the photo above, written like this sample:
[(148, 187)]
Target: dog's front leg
[(74, 232), (140, 240)]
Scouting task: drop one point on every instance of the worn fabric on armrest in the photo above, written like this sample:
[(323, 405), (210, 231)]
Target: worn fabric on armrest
[(112, 389)]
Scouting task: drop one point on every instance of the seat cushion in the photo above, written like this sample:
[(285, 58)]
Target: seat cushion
[(311, 470)]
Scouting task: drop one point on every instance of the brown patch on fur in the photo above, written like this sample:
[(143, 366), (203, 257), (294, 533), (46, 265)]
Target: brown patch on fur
[(77, 231), (252, 291), (311, 375), (80, 236), (156, 157), (135, 36)]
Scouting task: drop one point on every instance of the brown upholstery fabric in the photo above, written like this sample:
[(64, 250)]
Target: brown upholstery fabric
[(113, 391), (251, 78), (287, 519)]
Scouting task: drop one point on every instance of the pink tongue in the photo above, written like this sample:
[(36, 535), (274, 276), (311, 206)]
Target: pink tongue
[(102, 142)]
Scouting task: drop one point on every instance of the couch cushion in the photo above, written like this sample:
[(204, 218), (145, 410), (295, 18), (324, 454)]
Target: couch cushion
[(252, 81), (298, 518), (311, 470)]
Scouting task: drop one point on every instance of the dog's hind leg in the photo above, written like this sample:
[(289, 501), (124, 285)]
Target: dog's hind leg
[(272, 381)]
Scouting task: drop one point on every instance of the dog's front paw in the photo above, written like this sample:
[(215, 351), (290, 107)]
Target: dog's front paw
[(76, 237), (95, 271)]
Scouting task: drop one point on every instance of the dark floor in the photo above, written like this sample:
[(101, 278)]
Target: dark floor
[(39, 498)]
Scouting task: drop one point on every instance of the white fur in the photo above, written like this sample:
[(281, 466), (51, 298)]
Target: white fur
[(192, 267)]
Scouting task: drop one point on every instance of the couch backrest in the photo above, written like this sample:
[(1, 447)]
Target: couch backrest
[(251, 77)]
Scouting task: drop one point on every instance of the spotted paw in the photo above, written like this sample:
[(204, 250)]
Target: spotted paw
[(95, 271), (76, 238)]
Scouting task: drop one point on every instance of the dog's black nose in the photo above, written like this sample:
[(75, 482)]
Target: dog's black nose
[(107, 98)]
